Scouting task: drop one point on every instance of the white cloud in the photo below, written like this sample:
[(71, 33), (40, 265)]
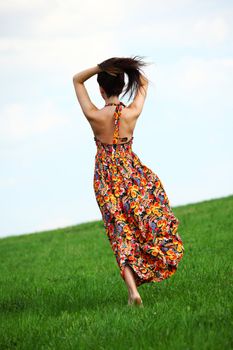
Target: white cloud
[(21, 6), (206, 32), (53, 223), (206, 74), (8, 182), (64, 35), (18, 122), (211, 30), (57, 54), (78, 18), (197, 79)]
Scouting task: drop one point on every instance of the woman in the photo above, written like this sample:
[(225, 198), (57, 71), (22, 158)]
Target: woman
[(136, 212)]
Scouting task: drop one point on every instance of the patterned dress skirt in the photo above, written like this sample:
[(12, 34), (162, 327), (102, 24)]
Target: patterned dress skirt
[(137, 216)]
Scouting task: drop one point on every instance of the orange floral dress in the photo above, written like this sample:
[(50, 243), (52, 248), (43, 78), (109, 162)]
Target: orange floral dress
[(138, 219)]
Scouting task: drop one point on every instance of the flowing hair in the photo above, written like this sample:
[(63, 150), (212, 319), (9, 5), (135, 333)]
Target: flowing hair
[(111, 77)]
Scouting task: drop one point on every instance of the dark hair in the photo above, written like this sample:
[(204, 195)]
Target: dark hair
[(111, 78)]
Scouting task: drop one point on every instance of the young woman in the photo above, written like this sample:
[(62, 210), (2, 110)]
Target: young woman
[(136, 212)]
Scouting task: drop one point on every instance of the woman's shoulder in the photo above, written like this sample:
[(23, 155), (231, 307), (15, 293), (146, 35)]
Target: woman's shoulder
[(106, 112)]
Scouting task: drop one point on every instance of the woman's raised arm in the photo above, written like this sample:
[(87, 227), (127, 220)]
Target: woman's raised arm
[(139, 99), (85, 102)]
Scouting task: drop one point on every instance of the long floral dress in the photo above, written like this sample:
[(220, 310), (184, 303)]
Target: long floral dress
[(136, 212)]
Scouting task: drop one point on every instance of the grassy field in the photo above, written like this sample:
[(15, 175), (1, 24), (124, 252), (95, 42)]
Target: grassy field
[(62, 289)]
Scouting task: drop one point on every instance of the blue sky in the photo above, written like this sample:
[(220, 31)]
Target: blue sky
[(184, 133)]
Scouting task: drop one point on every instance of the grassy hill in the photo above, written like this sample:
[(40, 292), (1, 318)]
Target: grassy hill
[(62, 289)]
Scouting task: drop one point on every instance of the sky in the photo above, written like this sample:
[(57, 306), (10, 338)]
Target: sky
[(47, 150)]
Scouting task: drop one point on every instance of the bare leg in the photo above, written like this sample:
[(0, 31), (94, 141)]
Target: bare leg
[(134, 296)]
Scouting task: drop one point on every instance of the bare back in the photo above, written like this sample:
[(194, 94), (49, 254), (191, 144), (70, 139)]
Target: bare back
[(102, 124), (102, 120)]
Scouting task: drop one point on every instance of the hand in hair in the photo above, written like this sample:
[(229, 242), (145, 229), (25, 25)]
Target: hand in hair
[(109, 66), (131, 66)]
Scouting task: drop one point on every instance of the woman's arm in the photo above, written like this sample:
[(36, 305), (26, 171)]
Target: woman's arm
[(86, 74), (81, 92), (139, 99)]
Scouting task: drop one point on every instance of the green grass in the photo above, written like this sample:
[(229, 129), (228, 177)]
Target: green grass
[(62, 289)]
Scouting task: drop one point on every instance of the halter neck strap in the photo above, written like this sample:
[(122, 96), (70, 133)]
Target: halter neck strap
[(115, 104), (117, 114)]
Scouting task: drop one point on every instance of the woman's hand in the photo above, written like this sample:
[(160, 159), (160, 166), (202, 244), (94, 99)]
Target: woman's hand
[(109, 67), (86, 74), (113, 71)]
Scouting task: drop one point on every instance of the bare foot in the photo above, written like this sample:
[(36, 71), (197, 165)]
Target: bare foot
[(135, 299)]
